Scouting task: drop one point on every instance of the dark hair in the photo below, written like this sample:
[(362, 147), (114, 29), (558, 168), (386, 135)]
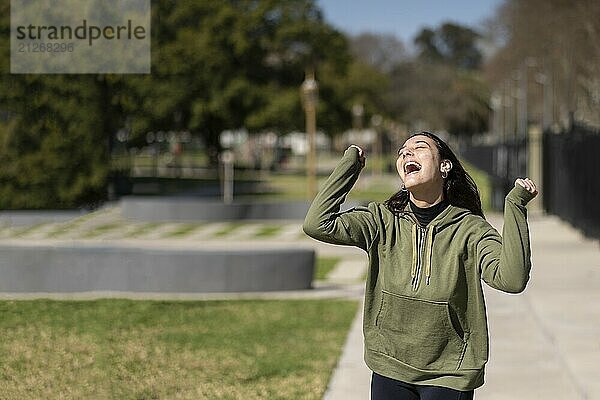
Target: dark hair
[(459, 188)]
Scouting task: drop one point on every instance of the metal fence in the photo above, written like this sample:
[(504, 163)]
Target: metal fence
[(572, 177), (503, 162)]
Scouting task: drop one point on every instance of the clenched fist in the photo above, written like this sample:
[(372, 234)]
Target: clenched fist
[(361, 154), (528, 184)]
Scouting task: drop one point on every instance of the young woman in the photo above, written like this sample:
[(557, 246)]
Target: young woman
[(429, 247)]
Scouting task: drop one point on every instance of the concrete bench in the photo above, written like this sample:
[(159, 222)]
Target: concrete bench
[(90, 267)]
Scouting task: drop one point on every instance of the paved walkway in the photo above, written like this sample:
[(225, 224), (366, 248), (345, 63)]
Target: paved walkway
[(545, 343)]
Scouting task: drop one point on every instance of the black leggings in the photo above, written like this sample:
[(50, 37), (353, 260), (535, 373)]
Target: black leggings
[(383, 388)]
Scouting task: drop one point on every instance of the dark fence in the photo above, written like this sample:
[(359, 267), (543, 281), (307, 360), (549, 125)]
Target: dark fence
[(503, 162), (572, 177)]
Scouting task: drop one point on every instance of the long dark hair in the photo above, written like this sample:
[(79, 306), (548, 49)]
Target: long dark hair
[(459, 188)]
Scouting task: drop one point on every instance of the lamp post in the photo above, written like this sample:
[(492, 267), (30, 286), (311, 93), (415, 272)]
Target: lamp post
[(227, 161), (543, 79), (376, 121), (497, 120), (358, 111), (150, 139), (508, 110), (310, 93)]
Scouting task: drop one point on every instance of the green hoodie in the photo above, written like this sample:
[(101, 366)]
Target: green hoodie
[(424, 315)]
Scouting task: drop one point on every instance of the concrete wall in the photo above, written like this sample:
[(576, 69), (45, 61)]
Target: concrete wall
[(27, 218), (188, 209), (84, 268)]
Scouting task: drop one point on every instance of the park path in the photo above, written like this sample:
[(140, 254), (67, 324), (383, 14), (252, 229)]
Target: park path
[(544, 343)]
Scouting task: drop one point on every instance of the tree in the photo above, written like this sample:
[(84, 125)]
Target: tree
[(438, 97), (558, 42), (54, 135), (427, 47), (53, 148), (450, 44), (441, 89), (382, 52), (227, 65), (216, 65)]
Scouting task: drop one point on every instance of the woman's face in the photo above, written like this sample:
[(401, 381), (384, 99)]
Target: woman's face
[(419, 163)]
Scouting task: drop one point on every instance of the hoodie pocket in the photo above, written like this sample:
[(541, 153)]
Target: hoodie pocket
[(420, 333)]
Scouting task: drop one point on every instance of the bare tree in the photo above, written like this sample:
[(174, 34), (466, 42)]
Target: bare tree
[(551, 54), (378, 50)]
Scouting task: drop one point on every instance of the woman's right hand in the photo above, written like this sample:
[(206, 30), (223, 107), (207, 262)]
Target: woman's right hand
[(361, 154)]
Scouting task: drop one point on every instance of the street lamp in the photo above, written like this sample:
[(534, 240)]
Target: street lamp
[(509, 121), (496, 118), (358, 111), (310, 97), (376, 121), (547, 101)]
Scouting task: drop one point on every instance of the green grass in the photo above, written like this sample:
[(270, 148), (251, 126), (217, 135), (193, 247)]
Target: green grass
[(100, 229), (266, 231), (324, 266), (183, 230), (122, 349), (484, 184), (285, 187), (22, 231), (61, 230), (229, 228), (69, 226), (294, 187), (143, 229)]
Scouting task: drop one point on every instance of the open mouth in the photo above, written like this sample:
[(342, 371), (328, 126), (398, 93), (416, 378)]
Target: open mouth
[(411, 167)]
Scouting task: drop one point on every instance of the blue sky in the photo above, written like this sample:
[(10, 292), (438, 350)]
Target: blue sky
[(403, 18)]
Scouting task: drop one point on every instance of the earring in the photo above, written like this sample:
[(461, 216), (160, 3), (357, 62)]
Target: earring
[(444, 174)]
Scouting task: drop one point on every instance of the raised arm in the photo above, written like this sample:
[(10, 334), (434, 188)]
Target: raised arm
[(324, 222), (505, 262)]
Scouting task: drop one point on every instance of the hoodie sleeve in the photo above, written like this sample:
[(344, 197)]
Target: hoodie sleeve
[(505, 261), (324, 222)]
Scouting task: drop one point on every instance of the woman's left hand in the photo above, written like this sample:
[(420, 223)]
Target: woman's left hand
[(528, 184)]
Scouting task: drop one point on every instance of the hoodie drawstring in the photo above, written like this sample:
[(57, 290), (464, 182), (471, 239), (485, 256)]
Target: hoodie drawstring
[(422, 253), (413, 272), (428, 251)]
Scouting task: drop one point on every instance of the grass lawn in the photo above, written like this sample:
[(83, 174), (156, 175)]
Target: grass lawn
[(324, 266), (183, 230), (294, 187), (484, 184), (268, 230), (104, 228), (122, 349)]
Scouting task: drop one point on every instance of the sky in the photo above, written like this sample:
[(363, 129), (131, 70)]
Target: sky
[(403, 18)]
